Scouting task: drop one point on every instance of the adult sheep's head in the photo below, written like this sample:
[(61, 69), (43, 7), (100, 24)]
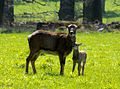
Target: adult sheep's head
[(72, 32)]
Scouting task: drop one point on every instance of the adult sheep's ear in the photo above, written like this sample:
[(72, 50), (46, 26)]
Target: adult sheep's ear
[(72, 25), (79, 26), (75, 25)]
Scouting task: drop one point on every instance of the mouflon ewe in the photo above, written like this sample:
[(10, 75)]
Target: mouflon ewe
[(51, 42)]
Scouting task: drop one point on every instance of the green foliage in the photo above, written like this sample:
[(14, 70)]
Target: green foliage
[(102, 69)]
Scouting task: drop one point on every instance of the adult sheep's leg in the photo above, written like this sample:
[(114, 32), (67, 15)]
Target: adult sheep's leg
[(28, 60), (33, 62), (62, 64)]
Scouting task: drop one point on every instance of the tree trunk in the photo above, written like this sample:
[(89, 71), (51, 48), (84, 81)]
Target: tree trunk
[(103, 5), (1, 11), (66, 11), (92, 11), (8, 14)]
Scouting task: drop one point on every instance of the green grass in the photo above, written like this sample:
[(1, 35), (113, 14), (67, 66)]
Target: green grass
[(102, 69), (36, 9)]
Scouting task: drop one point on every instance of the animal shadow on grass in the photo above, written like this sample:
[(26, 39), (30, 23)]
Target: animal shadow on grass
[(111, 14), (8, 30), (52, 74)]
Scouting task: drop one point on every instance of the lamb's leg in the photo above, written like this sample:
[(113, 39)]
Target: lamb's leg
[(62, 64), (83, 68), (74, 64), (79, 68), (33, 62)]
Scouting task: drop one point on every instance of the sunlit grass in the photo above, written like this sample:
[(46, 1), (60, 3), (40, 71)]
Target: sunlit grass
[(45, 12), (101, 72)]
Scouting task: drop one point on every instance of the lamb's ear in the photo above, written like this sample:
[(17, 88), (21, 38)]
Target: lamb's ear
[(79, 44)]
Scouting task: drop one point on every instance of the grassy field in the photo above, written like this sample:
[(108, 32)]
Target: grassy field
[(102, 68), (38, 12)]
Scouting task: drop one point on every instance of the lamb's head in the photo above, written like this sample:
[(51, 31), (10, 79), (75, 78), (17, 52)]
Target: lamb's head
[(72, 32), (76, 46)]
